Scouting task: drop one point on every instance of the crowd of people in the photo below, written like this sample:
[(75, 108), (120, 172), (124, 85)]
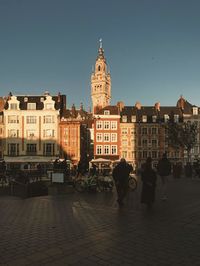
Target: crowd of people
[(149, 178)]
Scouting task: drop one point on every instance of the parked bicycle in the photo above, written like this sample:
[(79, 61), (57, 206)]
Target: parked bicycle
[(86, 184)]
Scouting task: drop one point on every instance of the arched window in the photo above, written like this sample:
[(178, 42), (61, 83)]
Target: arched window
[(99, 68)]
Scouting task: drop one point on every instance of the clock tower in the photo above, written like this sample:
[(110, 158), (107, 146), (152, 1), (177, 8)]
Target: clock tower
[(100, 82)]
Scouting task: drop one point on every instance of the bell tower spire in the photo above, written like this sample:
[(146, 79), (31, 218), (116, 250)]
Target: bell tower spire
[(100, 82)]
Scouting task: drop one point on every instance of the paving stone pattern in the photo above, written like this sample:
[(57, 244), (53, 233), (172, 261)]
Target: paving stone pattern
[(90, 229)]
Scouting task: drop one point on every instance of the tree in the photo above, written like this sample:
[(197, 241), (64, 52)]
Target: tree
[(189, 136), (182, 135)]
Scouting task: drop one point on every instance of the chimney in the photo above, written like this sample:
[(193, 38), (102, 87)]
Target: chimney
[(157, 106), (138, 105), (120, 105)]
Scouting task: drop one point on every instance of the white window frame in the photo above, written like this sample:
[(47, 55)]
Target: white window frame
[(99, 137), (106, 137), (31, 106), (106, 125), (133, 118), (124, 118), (113, 149), (113, 125), (106, 112), (99, 149), (31, 119), (113, 137), (106, 149), (99, 124), (144, 118)]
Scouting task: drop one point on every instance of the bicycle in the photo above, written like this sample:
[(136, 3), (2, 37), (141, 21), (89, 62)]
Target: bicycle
[(86, 184)]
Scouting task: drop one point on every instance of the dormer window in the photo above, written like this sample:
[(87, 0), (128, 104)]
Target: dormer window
[(144, 118), (124, 118), (154, 118), (195, 110), (176, 118), (166, 118), (31, 106), (49, 106), (13, 106), (106, 112), (133, 118)]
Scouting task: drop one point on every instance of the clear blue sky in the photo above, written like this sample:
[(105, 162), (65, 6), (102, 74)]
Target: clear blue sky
[(152, 48)]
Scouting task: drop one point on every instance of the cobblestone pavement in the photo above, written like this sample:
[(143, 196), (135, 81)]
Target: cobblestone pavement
[(90, 229)]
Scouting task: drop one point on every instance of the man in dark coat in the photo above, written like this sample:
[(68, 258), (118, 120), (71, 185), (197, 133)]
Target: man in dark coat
[(121, 177), (164, 170), (148, 177)]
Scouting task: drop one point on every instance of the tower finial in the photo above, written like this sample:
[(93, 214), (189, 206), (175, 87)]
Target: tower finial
[(100, 43)]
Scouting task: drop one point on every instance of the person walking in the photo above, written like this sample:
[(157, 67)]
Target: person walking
[(148, 177), (164, 170), (121, 177)]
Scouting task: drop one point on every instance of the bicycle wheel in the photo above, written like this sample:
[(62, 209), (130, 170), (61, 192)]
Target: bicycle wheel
[(132, 183), (79, 185)]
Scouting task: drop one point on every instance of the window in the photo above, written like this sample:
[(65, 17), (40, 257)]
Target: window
[(99, 149), (124, 154), (113, 125), (66, 136), (13, 149), (113, 149), (176, 118), (154, 143), (106, 112), (154, 130), (124, 131), (106, 124), (99, 68), (144, 118), (124, 118), (31, 106), (124, 142), (144, 131), (106, 149), (133, 118), (31, 149), (13, 119), (30, 133), (113, 137), (48, 133), (154, 118), (13, 133), (166, 118), (49, 106), (48, 119), (106, 137), (49, 149), (31, 119), (99, 137), (195, 110), (13, 106), (154, 154), (99, 125), (144, 154), (144, 142)]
